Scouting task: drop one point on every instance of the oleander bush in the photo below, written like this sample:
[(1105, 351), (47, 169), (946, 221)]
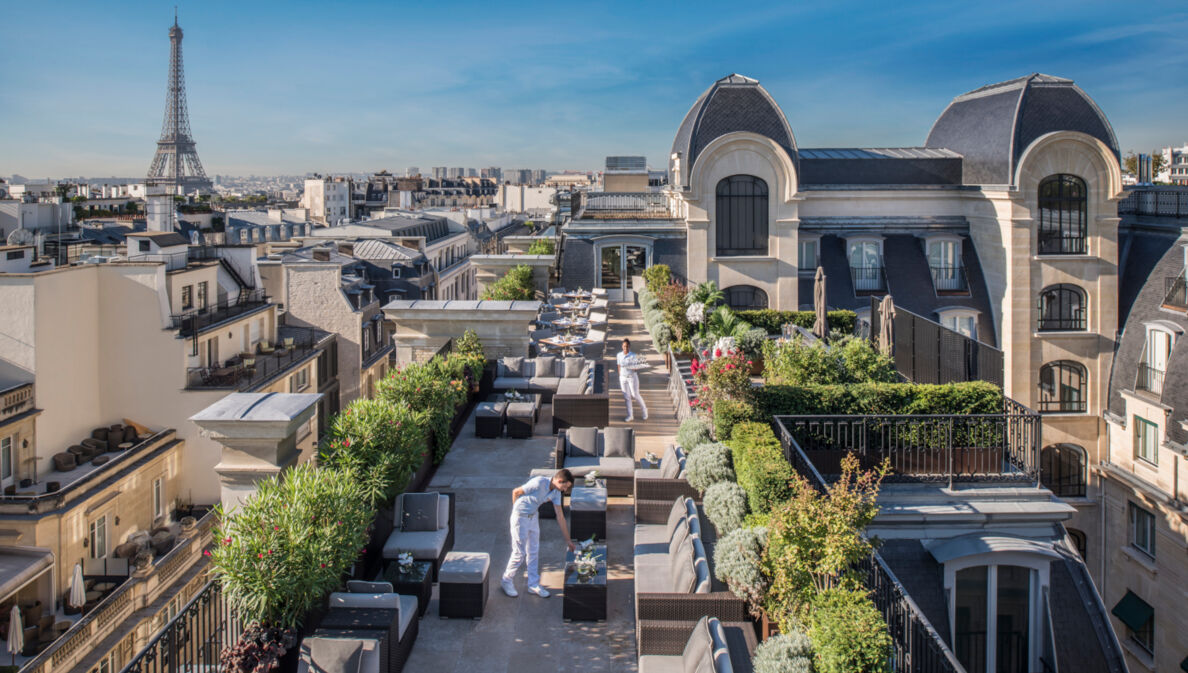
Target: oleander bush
[(738, 557), (773, 321), (848, 633), (289, 544), (707, 465), (693, 432), (726, 505), (438, 387), (725, 377), (784, 653), (760, 467), (381, 442)]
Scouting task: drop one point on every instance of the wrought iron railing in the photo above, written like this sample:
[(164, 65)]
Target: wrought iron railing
[(1068, 323), (1061, 243), (244, 373), (192, 640), (1149, 379), (650, 203), (868, 278), (680, 385), (1155, 202), (1177, 291), (191, 322), (949, 279), (915, 643), (937, 447)]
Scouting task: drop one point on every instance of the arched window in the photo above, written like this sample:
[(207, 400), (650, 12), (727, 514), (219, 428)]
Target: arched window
[(746, 298), (1078, 539), (1062, 387), (1062, 470), (1062, 307), (741, 216), (1063, 211)]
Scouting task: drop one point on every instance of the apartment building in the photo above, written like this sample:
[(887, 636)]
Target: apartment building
[(329, 200), (1175, 166)]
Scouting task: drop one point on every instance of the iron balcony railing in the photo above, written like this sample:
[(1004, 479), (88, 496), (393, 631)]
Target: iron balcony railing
[(192, 640), (949, 279), (1155, 202), (1177, 291), (1066, 323), (937, 447), (194, 321), (652, 203), (245, 373), (1061, 243), (1149, 379), (868, 278)]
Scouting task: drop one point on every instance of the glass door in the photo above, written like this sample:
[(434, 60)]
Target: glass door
[(611, 272), (635, 260)]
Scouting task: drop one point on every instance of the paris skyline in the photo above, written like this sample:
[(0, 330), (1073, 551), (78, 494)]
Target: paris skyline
[(277, 88)]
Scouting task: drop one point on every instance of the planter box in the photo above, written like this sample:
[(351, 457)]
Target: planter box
[(767, 628)]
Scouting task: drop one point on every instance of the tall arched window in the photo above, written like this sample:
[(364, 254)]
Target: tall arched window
[(1062, 307), (746, 298), (741, 216), (1062, 387), (1063, 208), (1062, 470)]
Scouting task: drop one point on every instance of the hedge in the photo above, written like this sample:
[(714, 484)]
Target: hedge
[(974, 397), (728, 413), (772, 320), (759, 466)]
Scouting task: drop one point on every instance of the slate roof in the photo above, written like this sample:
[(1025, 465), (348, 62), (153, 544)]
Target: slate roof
[(880, 166), (164, 239), (432, 228), (992, 126), (733, 103), (373, 248), (1147, 307)]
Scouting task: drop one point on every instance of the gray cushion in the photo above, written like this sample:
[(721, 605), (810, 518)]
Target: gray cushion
[(528, 368), (520, 409), (618, 443), (423, 545), (651, 574), (418, 511), (679, 537), (650, 538), (668, 464), (676, 517), (616, 467), (546, 365), (386, 600), (511, 366), (574, 386), (572, 367), (362, 587), (699, 649), (327, 655), (544, 382), (510, 383), (661, 663), (581, 442), (464, 567), (408, 612), (700, 567)]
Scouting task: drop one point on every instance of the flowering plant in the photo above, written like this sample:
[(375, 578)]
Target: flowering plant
[(405, 561), (382, 442), (727, 376), (586, 547), (513, 395), (695, 314)]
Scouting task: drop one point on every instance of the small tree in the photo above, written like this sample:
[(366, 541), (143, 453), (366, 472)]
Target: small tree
[(815, 539)]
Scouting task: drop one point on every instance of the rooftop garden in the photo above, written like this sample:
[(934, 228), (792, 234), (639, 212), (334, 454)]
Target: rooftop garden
[(516, 284)]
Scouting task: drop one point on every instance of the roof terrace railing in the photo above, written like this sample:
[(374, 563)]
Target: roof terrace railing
[(192, 640), (940, 447), (605, 204), (1165, 202), (191, 322)]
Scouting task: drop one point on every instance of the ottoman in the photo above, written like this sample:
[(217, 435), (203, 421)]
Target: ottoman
[(488, 419), (587, 513), (521, 416), (462, 584)]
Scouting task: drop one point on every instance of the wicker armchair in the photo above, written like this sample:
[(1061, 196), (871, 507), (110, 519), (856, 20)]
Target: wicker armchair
[(429, 546), (616, 468), (735, 640), (655, 489), (589, 410), (370, 610)]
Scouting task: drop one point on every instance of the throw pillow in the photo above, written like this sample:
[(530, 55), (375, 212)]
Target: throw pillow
[(362, 587), (583, 442), (675, 515), (512, 367), (617, 443), (335, 655), (419, 511), (669, 465), (684, 577), (572, 367), (699, 648), (544, 366)]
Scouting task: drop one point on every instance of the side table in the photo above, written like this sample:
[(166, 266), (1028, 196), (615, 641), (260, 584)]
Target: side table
[(418, 583), (587, 511), (585, 596)]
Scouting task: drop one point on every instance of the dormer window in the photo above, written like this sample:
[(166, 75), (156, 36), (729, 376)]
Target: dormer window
[(944, 261), (866, 265), (1153, 366)]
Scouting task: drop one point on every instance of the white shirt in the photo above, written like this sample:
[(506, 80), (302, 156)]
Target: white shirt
[(536, 491), (621, 358)]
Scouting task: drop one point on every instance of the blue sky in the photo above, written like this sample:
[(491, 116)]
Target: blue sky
[(290, 87)]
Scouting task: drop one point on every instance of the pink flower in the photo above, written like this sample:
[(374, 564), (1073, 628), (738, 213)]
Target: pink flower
[(226, 540), (206, 552), (260, 555), (276, 528), (323, 565), (705, 352), (717, 352), (750, 364), (270, 552)]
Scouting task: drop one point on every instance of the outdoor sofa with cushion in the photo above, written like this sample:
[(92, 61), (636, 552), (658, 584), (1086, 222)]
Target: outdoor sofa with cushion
[(610, 451), (674, 580), (542, 375), (424, 526), (582, 402), (656, 488), (369, 623), (713, 647)]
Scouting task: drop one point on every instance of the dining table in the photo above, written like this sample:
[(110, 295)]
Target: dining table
[(565, 344), (571, 306)]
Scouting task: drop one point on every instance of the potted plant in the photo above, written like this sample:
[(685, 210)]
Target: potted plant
[(784, 653), (751, 343)]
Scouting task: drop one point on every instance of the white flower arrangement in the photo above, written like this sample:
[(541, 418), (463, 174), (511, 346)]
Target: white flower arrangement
[(695, 314), (592, 478), (405, 561), (651, 457)]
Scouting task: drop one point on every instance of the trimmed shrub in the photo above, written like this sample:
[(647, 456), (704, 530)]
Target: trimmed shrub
[(693, 431), (751, 342), (738, 557), (784, 653), (848, 633), (516, 284), (760, 466), (383, 443), (846, 360), (656, 276), (772, 320), (662, 336), (707, 465), (726, 505), (974, 397), (729, 412), (542, 246)]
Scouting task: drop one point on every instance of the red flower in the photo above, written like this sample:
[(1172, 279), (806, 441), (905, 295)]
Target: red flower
[(750, 364), (323, 565), (270, 552), (226, 540), (717, 352), (260, 555), (206, 552), (705, 352), (346, 442), (276, 528)]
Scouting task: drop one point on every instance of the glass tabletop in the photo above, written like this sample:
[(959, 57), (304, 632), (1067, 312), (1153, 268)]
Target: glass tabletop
[(572, 576), (420, 569)]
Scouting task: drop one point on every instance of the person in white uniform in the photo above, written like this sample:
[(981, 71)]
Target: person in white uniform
[(629, 382), (525, 528)]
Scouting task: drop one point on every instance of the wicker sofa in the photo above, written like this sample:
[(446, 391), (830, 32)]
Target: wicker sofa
[(674, 581), (369, 618), (428, 535), (545, 375), (713, 645), (610, 451), (587, 406), (655, 489)]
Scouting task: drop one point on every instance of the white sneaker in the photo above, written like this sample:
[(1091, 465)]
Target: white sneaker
[(539, 591), (628, 419), (645, 417), (509, 588)]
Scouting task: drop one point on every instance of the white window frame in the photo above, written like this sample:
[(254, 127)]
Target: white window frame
[(159, 497), (299, 381), (97, 537), (815, 242), (1142, 427), (955, 314), (8, 462), (1145, 522)]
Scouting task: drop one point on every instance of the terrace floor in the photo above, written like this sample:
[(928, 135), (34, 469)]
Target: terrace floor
[(527, 634)]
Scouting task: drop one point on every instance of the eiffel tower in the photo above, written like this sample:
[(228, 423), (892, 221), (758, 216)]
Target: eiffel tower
[(176, 167)]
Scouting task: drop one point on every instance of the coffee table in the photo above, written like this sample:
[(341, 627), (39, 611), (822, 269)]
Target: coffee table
[(535, 398), (418, 583), (585, 596), (587, 511)]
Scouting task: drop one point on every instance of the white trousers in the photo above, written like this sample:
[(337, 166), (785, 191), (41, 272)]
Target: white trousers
[(629, 384), (525, 539)]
